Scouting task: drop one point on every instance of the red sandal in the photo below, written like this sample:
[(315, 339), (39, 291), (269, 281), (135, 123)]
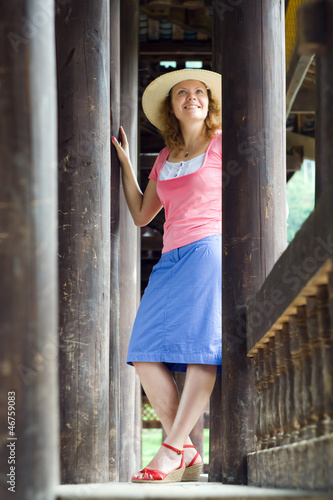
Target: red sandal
[(159, 476), (192, 472)]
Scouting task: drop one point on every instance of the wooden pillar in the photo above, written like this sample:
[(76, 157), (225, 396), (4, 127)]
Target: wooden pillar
[(321, 18), (326, 333), (307, 424), (115, 368), (317, 379), (215, 410), (28, 252), (295, 380), (130, 423), (84, 237), (254, 176)]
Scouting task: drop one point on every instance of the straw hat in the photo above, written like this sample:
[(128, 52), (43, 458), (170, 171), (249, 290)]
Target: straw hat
[(159, 88)]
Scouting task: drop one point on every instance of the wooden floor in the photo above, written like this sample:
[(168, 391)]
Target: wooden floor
[(202, 490)]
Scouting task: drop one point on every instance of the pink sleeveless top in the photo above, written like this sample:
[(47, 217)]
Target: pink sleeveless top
[(193, 202)]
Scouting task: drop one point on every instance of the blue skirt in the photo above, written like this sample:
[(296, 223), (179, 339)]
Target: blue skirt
[(179, 320)]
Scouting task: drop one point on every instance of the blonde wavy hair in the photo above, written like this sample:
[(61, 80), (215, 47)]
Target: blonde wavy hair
[(171, 131)]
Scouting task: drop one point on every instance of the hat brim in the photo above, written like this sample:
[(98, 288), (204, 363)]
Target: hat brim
[(159, 88)]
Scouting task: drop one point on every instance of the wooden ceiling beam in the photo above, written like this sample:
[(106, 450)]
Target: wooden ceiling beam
[(298, 68), (311, 40), (176, 48), (189, 20), (147, 160), (305, 101), (307, 142)]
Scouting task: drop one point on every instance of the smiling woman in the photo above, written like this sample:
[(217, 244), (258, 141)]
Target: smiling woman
[(178, 324), (189, 101)]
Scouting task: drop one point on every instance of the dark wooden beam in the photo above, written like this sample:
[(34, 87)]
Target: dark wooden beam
[(151, 243), (311, 39), (130, 423), (216, 410), (324, 116), (176, 48), (254, 227), (304, 141), (83, 41), (312, 24), (294, 163), (147, 161), (28, 252), (298, 68), (151, 143), (305, 101), (191, 20)]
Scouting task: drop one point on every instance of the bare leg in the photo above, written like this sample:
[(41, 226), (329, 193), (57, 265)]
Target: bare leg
[(161, 390), (178, 419)]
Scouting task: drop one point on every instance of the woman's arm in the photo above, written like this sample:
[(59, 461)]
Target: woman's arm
[(143, 207)]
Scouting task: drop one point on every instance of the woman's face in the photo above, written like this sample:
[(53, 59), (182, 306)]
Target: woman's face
[(189, 100)]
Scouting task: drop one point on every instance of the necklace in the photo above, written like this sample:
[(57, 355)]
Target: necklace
[(189, 149)]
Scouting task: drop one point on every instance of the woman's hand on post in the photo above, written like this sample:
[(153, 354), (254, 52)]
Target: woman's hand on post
[(122, 147)]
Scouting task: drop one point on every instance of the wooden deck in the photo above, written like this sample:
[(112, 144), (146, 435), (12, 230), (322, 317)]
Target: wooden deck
[(202, 490)]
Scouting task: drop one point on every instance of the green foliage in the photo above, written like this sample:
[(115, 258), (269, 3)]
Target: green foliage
[(148, 413), (151, 441), (300, 197)]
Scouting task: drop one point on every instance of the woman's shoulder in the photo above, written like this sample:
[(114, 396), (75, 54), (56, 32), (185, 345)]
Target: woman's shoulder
[(159, 162), (216, 142), (163, 155)]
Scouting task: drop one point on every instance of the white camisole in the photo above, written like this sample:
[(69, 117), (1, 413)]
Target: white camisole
[(172, 170)]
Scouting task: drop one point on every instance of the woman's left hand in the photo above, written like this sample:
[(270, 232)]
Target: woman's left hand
[(122, 147)]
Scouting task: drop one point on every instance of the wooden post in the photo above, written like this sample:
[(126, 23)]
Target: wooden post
[(254, 229), (115, 368), (280, 391), (307, 425), (216, 411), (289, 402), (326, 333), (215, 433), (295, 380), (28, 252), (322, 19), (84, 238), (130, 424), (258, 387), (317, 381)]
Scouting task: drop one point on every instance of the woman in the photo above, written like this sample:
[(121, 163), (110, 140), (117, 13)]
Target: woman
[(178, 324)]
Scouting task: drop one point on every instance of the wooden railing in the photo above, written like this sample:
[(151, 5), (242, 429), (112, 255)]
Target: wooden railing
[(290, 340)]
